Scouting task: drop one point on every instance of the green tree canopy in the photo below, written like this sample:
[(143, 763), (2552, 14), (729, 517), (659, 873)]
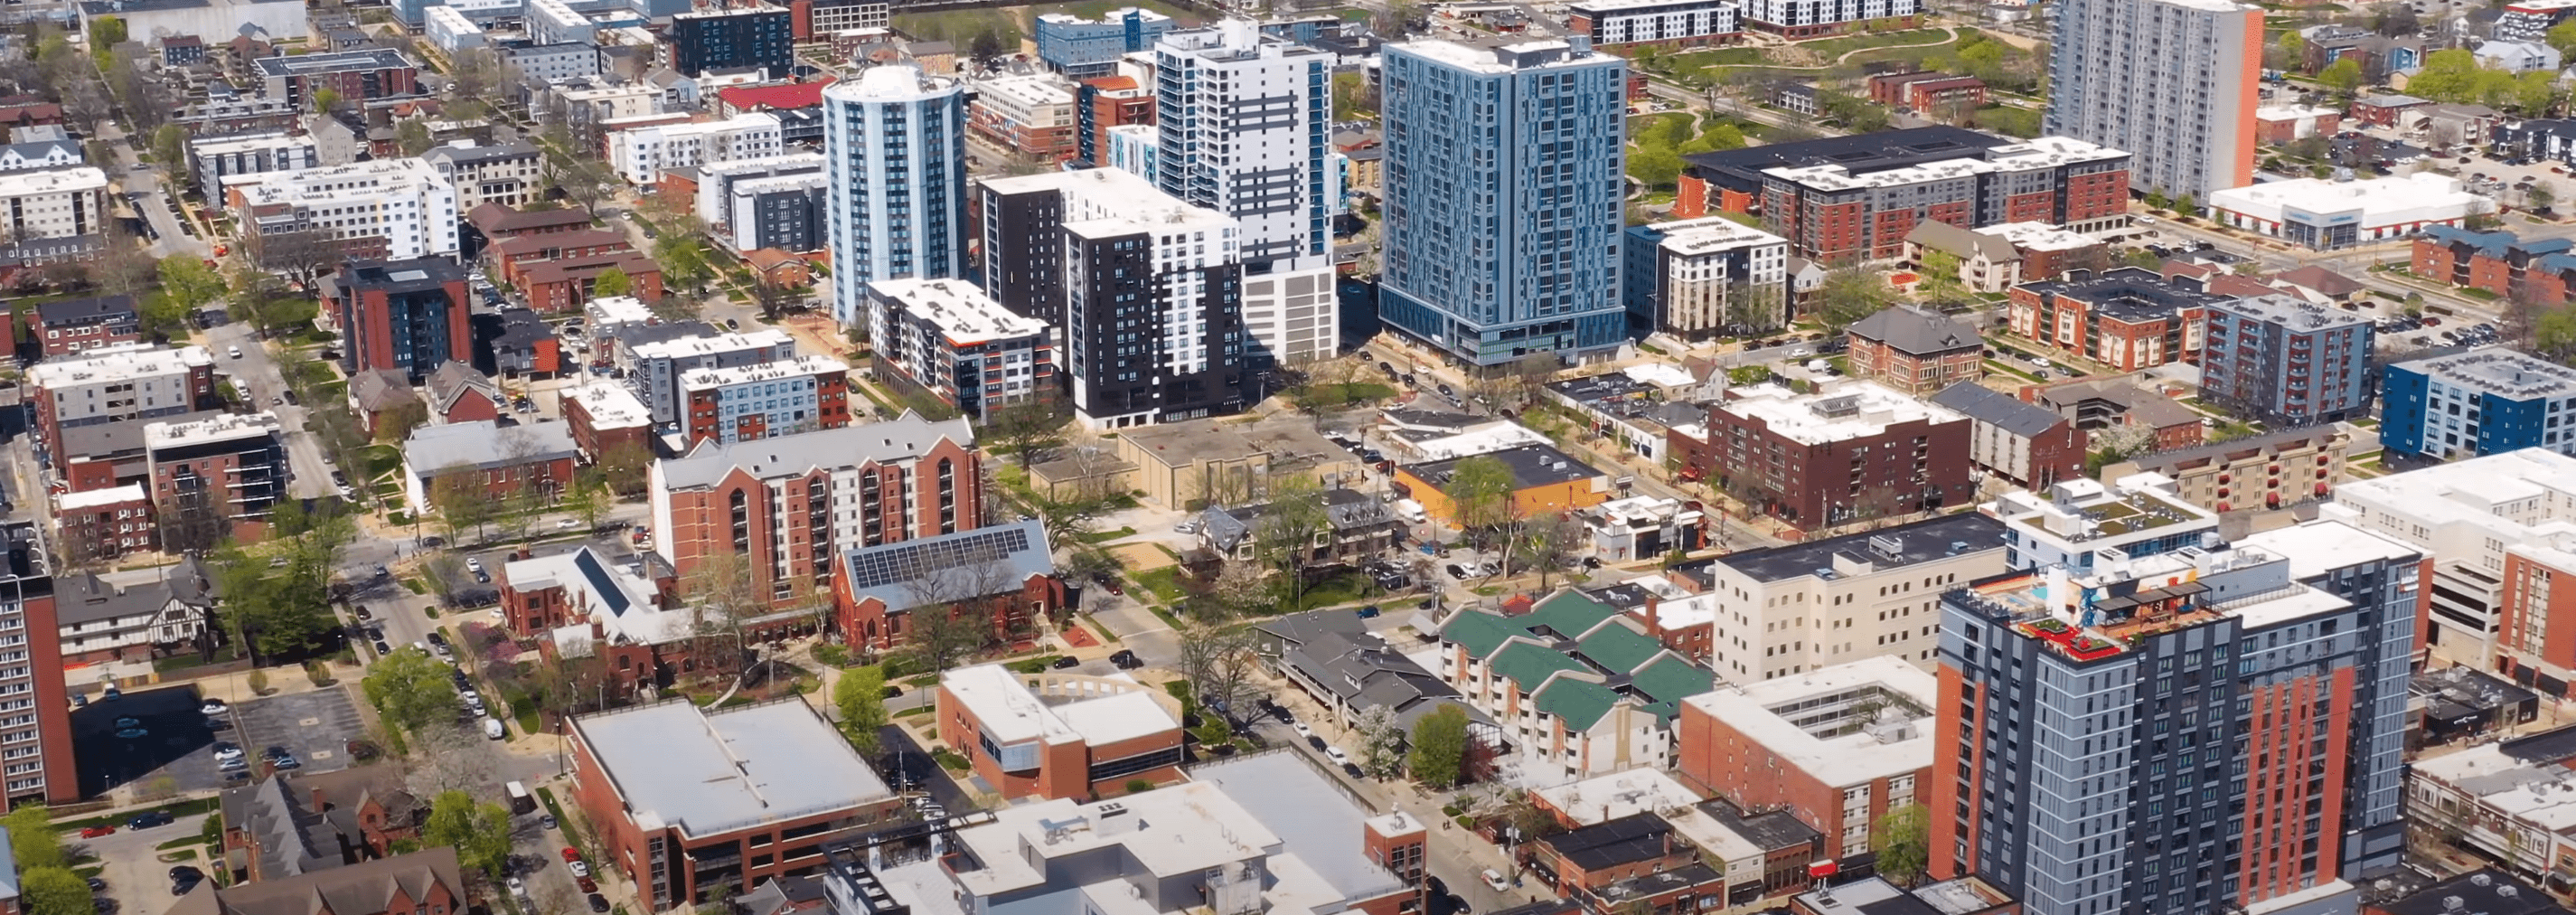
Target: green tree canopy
[(33, 839), (1902, 839), (860, 697), (612, 282), (190, 282), (411, 689), (480, 833), (107, 32), (54, 890), (1439, 754), (2563, 37), (2344, 76), (1480, 491)]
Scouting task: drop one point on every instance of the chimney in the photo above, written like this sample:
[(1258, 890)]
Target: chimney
[(1654, 621)]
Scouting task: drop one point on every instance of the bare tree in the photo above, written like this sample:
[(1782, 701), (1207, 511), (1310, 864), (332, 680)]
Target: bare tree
[(301, 255), (448, 757), (1219, 664), (952, 610), (723, 591)]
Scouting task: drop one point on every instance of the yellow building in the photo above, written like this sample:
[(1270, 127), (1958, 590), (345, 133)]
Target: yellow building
[(1181, 465), (1545, 481)]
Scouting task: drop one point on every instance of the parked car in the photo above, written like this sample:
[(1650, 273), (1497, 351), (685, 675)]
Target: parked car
[(214, 707), (1065, 662), (92, 832), (1126, 660), (1336, 755), (149, 819), (1494, 879), (598, 903)]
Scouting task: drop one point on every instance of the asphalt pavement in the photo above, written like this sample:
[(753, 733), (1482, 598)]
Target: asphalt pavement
[(310, 474)]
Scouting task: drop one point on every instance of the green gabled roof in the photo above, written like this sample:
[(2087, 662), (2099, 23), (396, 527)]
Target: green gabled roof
[(1618, 649), (1579, 703), (1478, 631), (1671, 679), (1662, 710), (1571, 613), (1529, 664)]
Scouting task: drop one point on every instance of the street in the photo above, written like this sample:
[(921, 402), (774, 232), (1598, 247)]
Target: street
[(154, 202), (309, 474)]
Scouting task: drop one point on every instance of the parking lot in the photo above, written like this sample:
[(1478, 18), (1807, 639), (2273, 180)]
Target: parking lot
[(138, 880), (165, 736), (315, 726)]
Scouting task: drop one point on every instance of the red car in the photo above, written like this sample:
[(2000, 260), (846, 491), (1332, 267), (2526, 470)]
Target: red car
[(571, 854), (587, 885), (92, 832)]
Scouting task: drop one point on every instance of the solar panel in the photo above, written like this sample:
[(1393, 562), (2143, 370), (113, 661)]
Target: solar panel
[(911, 561)]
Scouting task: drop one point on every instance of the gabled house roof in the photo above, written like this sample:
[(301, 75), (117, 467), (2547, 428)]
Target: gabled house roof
[(2321, 281), (1965, 243), (1602, 658), (358, 889), (1917, 332), (378, 390), (1995, 408), (452, 380)]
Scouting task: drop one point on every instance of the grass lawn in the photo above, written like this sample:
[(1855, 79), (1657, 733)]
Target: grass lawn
[(1163, 583), (961, 26), (2006, 119), (2006, 368), (382, 459)]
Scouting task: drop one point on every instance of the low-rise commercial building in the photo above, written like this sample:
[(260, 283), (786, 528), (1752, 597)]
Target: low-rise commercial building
[(1101, 734), (687, 801), (1032, 116), (2327, 215), (526, 461), (1544, 481)]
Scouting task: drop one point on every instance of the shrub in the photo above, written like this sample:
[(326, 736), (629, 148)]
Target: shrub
[(833, 655), (259, 682), (1139, 786)]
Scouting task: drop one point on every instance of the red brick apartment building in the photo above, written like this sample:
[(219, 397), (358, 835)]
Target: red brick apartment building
[(1114, 101), (133, 383), (408, 315), (557, 271), (72, 325), (1926, 91), (1915, 350), (1857, 197), (103, 524), (504, 461), (607, 417), (491, 223), (2542, 271), (781, 503), (1808, 743), (1092, 746), (1589, 859), (2129, 318), (1853, 451), (689, 803)]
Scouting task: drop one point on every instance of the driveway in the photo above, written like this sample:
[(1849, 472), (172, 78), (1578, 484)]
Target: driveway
[(174, 742), (315, 726)]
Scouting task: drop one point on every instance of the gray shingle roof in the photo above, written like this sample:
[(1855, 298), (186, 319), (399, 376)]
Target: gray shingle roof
[(1993, 407), (1942, 236), (484, 444), (1919, 333), (904, 436)]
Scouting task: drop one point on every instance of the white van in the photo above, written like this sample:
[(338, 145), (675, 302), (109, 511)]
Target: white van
[(492, 729)]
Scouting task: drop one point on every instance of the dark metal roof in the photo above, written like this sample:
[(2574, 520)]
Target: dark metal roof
[(1997, 408), (1919, 542)]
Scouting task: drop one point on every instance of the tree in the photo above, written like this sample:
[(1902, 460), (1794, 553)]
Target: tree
[(1548, 544), (189, 282), (612, 282), (2553, 334), (301, 256), (1657, 167), (462, 502), (1439, 747), (1849, 294), (55, 890), (2561, 36), (396, 424), (2343, 76), (2540, 198), (1480, 491), (1284, 534), (411, 689), (480, 832), (589, 497), (860, 697), (1026, 429), (1902, 839), (107, 31), (1940, 271), (1381, 742), (622, 467), (2289, 52), (2397, 19), (1240, 589), (170, 148), (1220, 665), (33, 838), (413, 137)]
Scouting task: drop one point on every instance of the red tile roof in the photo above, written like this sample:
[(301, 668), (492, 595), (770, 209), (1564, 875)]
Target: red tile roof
[(781, 97)]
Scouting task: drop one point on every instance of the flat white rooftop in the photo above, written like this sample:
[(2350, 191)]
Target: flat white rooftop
[(2424, 196), (610, 406), (1011, 713), (94, 498), (1848, 759), (57, 181), (1603, 798), (964, 314), (779, 370), (2040, 236), (1711, 234), (224, 428), (686, 347), (120, 363), (1841, 412)]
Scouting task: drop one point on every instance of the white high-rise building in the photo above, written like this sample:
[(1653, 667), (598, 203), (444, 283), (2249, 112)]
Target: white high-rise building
[(2171, 81), (1245, 122), (895, 144)]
